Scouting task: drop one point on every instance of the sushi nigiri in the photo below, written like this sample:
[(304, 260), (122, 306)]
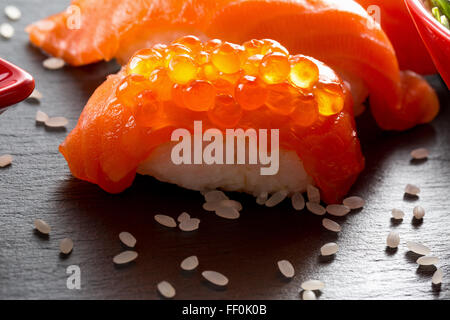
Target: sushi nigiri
[(129, 123), (338, 32), (399, 26)]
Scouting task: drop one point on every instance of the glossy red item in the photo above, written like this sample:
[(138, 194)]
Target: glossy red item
[(15, 84), (435, 36)]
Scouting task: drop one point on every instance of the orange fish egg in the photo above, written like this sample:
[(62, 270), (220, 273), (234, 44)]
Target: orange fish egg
[(224, 87), (253, 47), (226, 113), (209, 72), (226, 58), (251, 65), (202, 57), (280, 98), (175, 50), (330, 99), (130, 87), (305, 111), (161, 83), (148, 109), (182, 69), (191, 42), (199, 95), (274, 68), (304, 72), (250, 94), (271, 46), (211, 45), (144, 62), (161, 48)]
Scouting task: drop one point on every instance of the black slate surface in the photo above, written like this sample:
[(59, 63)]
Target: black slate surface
[(39, 185)]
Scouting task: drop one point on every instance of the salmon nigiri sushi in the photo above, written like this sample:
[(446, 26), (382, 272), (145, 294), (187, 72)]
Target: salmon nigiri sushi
[(207, 115), (338, 32)]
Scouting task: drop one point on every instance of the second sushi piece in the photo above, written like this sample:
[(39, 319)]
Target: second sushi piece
[(171, 100)]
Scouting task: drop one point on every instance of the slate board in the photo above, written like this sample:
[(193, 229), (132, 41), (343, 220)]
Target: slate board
[(39, 185)]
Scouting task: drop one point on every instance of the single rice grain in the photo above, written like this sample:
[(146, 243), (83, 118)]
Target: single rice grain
[(6, 30), (125, 257), (66, 245), (418, 248), (12, 12), (227, 213), (298, 201), (215, 278), (53, 63), (329, 249), (35, 95), (56, 122), (231, 203), (215, 195), (437, 276), (393, 239), (397, 214), (331, 225), (308, 295), (313, 193), (5, 160), (41, 117), (190, 263), (418, 212), (337, 210), (165, 220), (183, 216), (189, 224), (427, 260), (412, 189), (316, 208), (276, 198), (354, 202), (286, 268), (127, 239), (313, 285), (420, 153), (166, 289), (42, 226)]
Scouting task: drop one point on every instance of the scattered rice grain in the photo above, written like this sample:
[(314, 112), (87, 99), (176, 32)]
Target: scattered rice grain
[(53, 63), (397, 214), (42, 226), (418, 248), (183, 216), (437, 276), (165, 220), (313, 285), (231, 203), (190, 263), (313, 193), (412, 189), (166, 289), (35, 95), (262, 198), (215, 195), (298, 201), (393, 239), (66, 245), (338, 210), (41, 116), (354, 202), (427, 260), (127, 239), (227, 213), (215, 278), (56, 122), (189, 224), (316, 208), (331, 225), (420, 153), (6, 30), (286, 268), (329, 249), (276, 198), (5, 160), (212, 205), (418, 212), (12, 12), (309, 295), (125, 257)]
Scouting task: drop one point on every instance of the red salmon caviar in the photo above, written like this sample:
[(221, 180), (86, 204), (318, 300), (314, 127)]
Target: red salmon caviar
[(130, 87), (274, 68), (145, 61), (191, 42), (161, 84), (250, 94), (182, 69), (173, 50), (251, 65), (329, 98), (305, 111), (253, 47), (226, 112), (226, 58), (270, 46), (304, 72), (199, 95), (280, 98)]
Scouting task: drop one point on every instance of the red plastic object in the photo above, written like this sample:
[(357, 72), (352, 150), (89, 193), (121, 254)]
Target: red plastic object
[(435, 36), (15, 84)]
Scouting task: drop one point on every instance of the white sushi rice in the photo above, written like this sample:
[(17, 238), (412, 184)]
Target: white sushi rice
[(313, 193), (354, 202), (437, 276), (313, 285), (291, 176), (127, 239), (215, 278), (276, 198), (337, 210), (316, 208), (53, 63), (331, 225), (125, 257), (286, 268), (190, 263), (12, 12), (298, 201), (42, 226), (41, 116), (418, 248), (412, 189), (166, 289), (66, 245), (427, 260), (228, 213), (329, 249), (183, 216), (418, 212), (393, 239), (397, 214), (309, 295), (6, 30), (5, 160), (420, 153), (189, 224), (165, 220)]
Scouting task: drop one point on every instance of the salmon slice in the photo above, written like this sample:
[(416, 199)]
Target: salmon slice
[(130, 118), (338, 32), (398, 25)]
